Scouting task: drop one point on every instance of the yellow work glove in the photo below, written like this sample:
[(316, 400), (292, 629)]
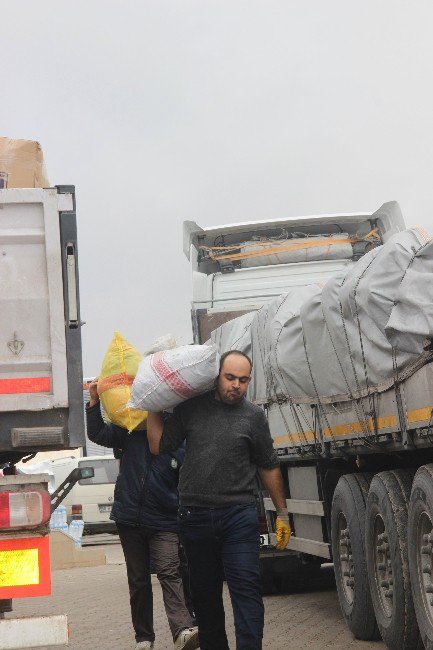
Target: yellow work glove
[(282, 528)]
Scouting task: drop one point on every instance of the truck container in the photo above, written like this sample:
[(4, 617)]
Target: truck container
[(335, 312), (41, 398)]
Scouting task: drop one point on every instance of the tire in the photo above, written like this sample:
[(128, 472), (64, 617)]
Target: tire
[(387, 558), (420, 546), (348, 529)]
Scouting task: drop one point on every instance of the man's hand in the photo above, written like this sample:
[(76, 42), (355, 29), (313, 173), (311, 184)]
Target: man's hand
[(93, 391), (282, 528), (273, 483)]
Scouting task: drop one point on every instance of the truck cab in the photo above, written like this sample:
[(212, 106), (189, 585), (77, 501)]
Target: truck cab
[(237, 268)]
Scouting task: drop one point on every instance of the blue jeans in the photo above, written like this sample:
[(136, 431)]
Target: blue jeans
[(218, 542)]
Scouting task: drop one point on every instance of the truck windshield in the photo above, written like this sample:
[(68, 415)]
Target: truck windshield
[(106, 471)]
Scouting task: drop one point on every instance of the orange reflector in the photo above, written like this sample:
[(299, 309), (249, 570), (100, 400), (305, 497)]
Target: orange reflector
[(25, 567), (25, 385)]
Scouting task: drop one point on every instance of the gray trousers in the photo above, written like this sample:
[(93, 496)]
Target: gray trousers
[(141, 548)]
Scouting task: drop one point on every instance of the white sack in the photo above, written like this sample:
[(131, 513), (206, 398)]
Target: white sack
[(166, 342), (169, 377), (44, 467)]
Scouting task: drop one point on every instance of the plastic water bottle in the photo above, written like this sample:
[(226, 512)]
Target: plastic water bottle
[(74, 532), (62, 515), (64, 528), (80, 529), (55, 520)]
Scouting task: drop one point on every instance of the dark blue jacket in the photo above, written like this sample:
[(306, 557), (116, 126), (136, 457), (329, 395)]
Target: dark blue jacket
[(146, 488)]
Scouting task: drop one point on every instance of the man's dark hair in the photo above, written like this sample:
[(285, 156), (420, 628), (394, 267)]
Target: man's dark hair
[(239, 352)]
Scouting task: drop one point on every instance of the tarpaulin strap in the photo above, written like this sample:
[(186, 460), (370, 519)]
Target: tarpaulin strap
[(364, 361), (274, 385), (349, 390), (355, 374), (373, 234), (113, 381), (319, 401)]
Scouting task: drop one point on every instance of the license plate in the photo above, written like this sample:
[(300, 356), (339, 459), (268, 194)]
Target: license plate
[(104, 508), (264, 540)]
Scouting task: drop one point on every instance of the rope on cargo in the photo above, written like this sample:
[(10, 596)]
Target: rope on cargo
[(364, 362), (362, 421), (346, 381), (276, 246), (429, 426), (291, 402), (401, 414), (273, 250), (393, 351), (269, 380), (271, 389), (318, 396)]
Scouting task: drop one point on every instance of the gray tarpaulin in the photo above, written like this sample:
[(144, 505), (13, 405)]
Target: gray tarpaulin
[(365, 328)]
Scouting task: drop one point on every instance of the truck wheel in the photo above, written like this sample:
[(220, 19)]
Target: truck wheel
[(348, 550), (387, 558), (420, 546)]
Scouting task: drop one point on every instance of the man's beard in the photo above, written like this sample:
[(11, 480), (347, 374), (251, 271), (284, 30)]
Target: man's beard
[(229, 398)]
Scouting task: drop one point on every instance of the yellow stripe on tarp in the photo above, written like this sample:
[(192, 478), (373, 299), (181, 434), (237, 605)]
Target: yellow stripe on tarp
[(19, 567), (419, 415), (385, 422), (359, 427), (295, 437)]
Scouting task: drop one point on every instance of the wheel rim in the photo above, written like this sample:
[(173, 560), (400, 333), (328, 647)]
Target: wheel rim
[(347, 578), (424, 548), (382, 566)]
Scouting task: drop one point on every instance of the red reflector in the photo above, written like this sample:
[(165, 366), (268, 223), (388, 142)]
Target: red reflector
[(25, 385), (27, 508), (25, 567), (4, 510)]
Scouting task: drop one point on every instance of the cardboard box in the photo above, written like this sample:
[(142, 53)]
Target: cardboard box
[(21, 164), (65, 555)]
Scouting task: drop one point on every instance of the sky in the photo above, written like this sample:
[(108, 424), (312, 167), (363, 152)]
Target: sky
[(216, 111)]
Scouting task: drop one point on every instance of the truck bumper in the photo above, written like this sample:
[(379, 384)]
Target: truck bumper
[(33, 632)]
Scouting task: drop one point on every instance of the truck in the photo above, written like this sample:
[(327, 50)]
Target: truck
[(335, 312), (41, 398)]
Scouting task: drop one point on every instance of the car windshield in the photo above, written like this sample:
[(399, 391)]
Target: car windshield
[(106, 471)]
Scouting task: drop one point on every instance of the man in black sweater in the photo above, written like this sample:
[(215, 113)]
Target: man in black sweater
[(145, 511), (227, 442)]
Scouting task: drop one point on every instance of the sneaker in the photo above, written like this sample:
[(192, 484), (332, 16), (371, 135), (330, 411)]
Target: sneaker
[(187, 639), (144, 645)]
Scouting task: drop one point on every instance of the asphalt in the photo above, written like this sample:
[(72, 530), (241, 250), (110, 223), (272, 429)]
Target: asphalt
[(96, 602)]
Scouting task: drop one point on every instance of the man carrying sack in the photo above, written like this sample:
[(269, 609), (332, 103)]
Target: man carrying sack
[(227, 442), (145, 512)]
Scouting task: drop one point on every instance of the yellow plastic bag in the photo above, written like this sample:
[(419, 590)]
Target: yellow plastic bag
[(119, 368)]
